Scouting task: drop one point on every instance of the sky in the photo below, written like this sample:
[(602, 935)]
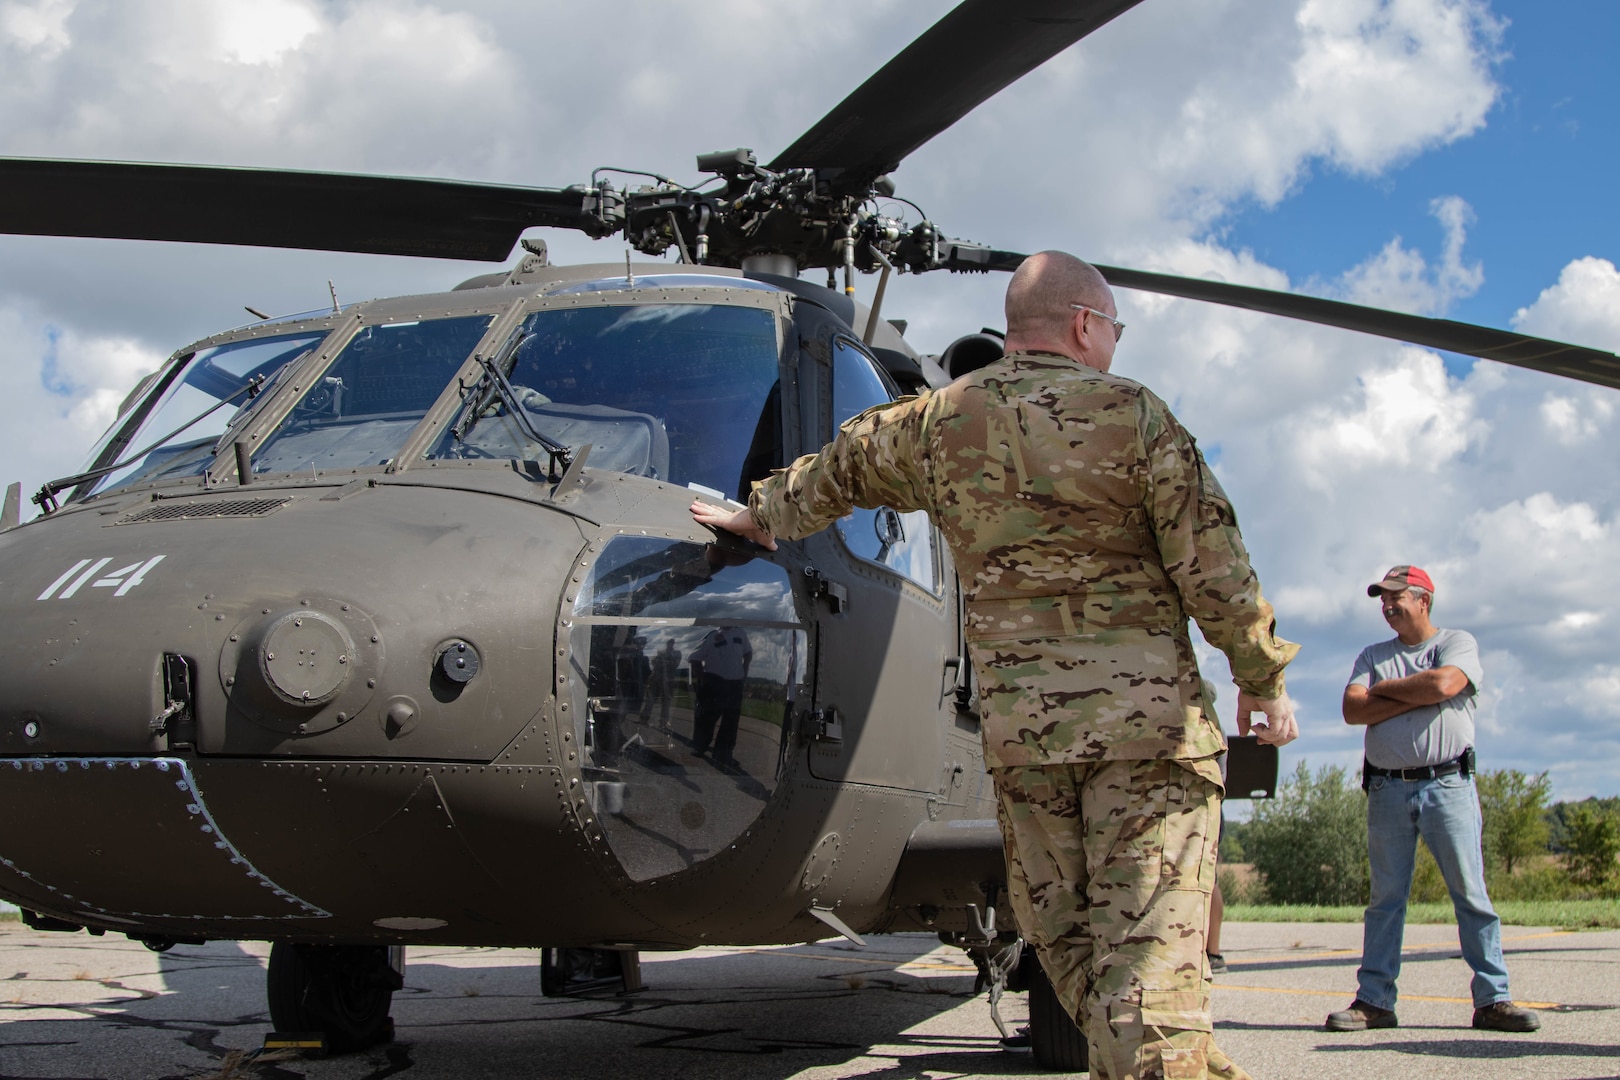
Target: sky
[(1442, 157)]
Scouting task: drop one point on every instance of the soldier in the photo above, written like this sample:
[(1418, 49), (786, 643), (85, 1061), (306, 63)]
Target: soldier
[(1086, 527)]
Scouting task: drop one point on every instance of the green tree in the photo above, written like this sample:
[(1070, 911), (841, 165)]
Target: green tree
[(1514, 807), (1556, 814), (1309, 844), (1592, 844)]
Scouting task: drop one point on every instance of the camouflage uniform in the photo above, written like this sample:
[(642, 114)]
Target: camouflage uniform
[(1086, 527)]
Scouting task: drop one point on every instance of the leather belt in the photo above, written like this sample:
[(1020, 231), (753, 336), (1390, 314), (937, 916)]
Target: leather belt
[(1418, 772)]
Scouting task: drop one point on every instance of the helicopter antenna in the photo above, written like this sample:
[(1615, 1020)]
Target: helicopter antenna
[(254, 312), (333, 290), (629, 275)]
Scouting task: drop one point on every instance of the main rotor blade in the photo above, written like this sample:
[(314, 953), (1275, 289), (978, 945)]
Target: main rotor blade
[(386, 215), (977, 49), (1521, 350)]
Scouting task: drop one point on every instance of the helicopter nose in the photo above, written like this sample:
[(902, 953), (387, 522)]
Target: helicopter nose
[(398, 621)]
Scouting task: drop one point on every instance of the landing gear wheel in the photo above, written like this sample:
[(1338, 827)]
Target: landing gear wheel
[(342, 991), (1055, 1041)]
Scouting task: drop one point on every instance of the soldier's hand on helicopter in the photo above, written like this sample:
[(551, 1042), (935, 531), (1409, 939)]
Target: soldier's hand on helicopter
[(1277, 727), (740, 522)]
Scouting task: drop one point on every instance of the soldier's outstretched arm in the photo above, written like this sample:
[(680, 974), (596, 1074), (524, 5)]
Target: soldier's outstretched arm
[(879, 458)]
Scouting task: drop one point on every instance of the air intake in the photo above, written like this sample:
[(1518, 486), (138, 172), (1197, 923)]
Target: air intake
[(222, 508)]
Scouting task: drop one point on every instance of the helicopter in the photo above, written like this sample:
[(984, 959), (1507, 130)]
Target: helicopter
[(219, 724)]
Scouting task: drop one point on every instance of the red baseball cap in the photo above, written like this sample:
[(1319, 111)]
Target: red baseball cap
[(1402, 577)]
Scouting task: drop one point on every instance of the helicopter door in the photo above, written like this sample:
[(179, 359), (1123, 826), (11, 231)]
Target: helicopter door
[(892, 633)]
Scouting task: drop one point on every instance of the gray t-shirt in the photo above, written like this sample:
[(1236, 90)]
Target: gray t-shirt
[(725, 654), (1427, 734)]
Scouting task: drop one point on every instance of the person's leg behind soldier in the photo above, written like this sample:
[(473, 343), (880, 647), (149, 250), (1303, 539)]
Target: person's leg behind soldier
[(705, 710), (1110, 866), (725, 737)]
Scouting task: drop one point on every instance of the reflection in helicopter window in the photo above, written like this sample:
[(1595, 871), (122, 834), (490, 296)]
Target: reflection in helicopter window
[(680, 392), (686, 667), (902, 542), (360, 410), (194, 403)]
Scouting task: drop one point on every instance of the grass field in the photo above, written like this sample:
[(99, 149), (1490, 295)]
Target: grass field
[(1564, 914)]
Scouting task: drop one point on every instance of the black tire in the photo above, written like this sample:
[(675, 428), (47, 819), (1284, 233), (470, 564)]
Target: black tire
[(342, 991), (1055, 1041)]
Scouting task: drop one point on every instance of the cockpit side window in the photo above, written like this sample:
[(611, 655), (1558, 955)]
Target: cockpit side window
[(686, 393), (173, 433), (902, 542)]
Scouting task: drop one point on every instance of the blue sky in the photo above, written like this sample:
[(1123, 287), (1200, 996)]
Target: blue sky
[(1449, 157), (1539, 175)]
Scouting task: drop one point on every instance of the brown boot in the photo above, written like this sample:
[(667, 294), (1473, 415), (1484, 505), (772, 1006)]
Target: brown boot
[(1360, 1016), (1505, 1016)]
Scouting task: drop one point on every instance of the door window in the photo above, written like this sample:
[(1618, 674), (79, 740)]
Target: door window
[(902, 542)]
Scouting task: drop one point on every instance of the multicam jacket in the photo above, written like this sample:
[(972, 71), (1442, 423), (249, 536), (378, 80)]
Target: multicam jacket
[(1086, 527)]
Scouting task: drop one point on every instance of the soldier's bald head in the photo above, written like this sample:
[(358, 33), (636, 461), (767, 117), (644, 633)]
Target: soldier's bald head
[(1043, 287)]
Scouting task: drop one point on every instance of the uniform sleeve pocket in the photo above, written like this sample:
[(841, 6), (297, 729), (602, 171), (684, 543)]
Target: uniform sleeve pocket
[(1212, 500)]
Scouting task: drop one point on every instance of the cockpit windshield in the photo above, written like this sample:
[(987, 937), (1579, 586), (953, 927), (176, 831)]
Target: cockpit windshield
[(175, 436), (360, 410), (685, 393)]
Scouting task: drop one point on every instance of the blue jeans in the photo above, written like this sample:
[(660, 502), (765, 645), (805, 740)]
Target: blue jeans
[(1445, 812)]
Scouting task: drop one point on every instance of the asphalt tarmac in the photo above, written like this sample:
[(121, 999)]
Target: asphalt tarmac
[(902, 1008)]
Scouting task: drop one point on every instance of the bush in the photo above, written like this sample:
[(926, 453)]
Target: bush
[(1309, 844), (1538, 880), (1232, 850), (1592, 844), (1235, 888), (1428, 884)]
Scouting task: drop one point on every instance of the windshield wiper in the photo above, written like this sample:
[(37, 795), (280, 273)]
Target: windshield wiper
[(494, 384), (45, 497), (484, 390)]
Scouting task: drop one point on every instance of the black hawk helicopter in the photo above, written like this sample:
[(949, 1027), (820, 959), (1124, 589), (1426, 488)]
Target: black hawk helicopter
[(541, 707)]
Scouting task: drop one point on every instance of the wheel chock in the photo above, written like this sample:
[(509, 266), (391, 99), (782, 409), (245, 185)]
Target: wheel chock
[(303, 1043)]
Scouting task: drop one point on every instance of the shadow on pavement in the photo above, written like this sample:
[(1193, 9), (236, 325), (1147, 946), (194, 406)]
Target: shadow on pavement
[(1483, 1049), (110, 1010)]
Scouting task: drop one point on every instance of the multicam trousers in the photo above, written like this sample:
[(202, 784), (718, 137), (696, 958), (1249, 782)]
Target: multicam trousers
[(1110, 866)]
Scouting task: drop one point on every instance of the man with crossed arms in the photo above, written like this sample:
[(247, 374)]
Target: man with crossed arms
[(1415, 695)]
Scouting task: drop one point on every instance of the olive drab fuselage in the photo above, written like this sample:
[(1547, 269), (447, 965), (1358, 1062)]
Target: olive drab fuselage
[(409, 645)]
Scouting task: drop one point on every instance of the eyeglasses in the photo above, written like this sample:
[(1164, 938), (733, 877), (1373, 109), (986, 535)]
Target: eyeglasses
[(1119, 327)]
